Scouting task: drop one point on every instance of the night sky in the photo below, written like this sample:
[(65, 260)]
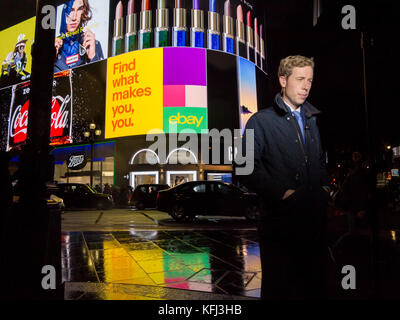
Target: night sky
[(338, 85)]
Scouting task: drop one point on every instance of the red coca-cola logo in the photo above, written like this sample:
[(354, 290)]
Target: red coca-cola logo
[(59, 119), (59, 116), (19, 123)]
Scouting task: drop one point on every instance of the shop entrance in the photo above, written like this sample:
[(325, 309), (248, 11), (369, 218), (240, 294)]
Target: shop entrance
[(146, 177), (175, 178)]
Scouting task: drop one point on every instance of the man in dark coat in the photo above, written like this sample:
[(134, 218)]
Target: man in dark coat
[(291, 178)]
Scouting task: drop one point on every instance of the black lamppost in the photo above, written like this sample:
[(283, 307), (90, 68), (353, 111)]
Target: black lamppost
[(91, 134)]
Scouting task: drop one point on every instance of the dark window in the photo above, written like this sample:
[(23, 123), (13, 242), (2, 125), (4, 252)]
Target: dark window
[(186, 189), (69, 189), (200, 188), (190, 188), (221, 188)]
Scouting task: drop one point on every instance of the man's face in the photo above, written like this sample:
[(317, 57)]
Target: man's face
[(74, 17), (297, 86)]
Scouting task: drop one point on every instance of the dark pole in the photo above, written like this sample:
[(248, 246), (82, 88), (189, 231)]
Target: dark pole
[(101, 173), (372, 157), (91, 156), (32, 217)]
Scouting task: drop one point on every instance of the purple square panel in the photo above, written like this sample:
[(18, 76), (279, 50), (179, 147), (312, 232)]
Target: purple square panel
[(185, 66)]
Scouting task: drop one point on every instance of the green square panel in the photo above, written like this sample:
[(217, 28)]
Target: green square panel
[(176, 119)]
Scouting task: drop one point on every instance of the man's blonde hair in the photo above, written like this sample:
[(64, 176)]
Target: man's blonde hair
[(287, 64)]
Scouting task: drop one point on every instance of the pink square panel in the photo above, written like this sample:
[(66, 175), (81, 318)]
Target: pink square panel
[(196, 96), (174, 96)]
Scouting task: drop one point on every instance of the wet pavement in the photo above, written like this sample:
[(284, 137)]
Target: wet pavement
[(125, 219), (154, 264), (145, 255)]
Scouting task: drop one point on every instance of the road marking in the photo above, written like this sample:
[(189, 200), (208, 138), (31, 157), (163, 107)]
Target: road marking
[(150, 217), (98, 219)]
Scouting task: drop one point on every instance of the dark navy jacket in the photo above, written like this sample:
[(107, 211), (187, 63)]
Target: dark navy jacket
[(282, 160)]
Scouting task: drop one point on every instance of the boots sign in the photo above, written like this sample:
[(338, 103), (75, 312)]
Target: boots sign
[(76, 161)]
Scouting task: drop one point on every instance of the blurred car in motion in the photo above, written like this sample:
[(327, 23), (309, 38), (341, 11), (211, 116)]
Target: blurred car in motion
[(211, 198), (53, 201), (79, 195), (145, 195)]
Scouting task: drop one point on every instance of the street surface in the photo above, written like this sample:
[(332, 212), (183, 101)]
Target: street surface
[(124, 219), (145, 254)]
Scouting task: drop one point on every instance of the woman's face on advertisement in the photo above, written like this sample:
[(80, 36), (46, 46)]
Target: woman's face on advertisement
[(74, 18)]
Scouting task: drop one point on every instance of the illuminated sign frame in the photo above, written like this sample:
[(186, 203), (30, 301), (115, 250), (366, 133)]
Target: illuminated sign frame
[(169, 173), (133, 174)]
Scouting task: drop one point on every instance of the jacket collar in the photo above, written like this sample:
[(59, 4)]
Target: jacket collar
[(309, 109)]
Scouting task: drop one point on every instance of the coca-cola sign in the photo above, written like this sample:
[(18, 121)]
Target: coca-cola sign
[(19, 123), (18, 116), (60, 116), (76, 161), (61, 112)]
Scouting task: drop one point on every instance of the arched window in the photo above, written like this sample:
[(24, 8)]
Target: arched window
[(181, 156), (145, 156)]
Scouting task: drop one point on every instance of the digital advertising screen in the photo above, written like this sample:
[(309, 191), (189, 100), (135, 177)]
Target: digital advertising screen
[(78, 99), (15, 52), (162, 89), (247, 91), (60, 132), (231, 26), (81, 33), (136, 67)]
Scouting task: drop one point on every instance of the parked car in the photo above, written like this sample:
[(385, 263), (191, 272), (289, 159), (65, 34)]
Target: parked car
[(145, 195), (79, 195), (54, 201), (207, 198)]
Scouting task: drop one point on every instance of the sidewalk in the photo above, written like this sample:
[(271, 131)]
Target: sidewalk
[(151, 264), (161, 265)]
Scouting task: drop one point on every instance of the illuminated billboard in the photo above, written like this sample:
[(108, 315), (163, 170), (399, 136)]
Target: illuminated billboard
[(247, 91), (81, 33), (185, 90), (91, 30), (184, 78), (134, 93), (78, 99), (15, 52), (166, 90), (61, 112), (231, 26), (162, 89)]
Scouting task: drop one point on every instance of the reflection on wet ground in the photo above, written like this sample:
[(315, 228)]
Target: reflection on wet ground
[(213, 262)]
